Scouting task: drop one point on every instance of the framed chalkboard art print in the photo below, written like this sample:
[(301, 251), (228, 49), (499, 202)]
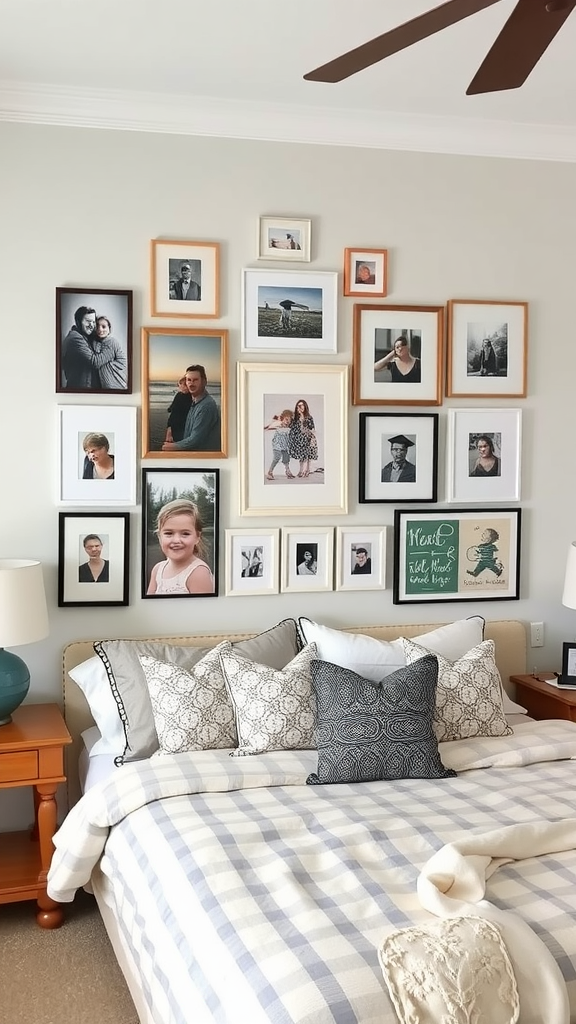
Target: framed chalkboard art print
[(459, 555)]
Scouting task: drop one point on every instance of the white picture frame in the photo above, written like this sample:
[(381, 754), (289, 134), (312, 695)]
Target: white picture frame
[(284, 238), (308, 325), (252, 562), (301, 573), (356, 570), (497, 435), (118, 425)]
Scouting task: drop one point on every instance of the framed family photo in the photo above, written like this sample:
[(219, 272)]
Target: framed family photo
[(184, 393), (284, 238), (487, 349), (252, 562), (293, 440), (398, 457), (307, 559), (366, 272), (180, 511), (484, 448), (184, 278), (289, 311), (361, 558), (97, 446), (93, 341), (458, 555), (397, 355), (93, 558)]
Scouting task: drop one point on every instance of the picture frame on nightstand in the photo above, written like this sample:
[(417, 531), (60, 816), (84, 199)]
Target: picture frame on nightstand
[(568, 677)]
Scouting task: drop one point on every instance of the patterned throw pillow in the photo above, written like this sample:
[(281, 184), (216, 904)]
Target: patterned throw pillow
[(374, 731), (191, 707), (468, 695), (275, 710)]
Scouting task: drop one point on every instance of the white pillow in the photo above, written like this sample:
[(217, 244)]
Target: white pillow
[(374, 659), (92, 679)]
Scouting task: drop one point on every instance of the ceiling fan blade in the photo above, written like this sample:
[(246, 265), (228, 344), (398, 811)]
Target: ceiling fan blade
[(397, 39), (528, 32)]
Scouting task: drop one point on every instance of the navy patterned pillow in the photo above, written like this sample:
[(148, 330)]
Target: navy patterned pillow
[(371, 731)]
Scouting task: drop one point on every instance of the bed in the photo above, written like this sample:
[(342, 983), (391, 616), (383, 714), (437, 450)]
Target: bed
[(237, 891)]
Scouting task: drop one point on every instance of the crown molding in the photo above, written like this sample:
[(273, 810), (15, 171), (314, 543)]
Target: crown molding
[(238, 119)]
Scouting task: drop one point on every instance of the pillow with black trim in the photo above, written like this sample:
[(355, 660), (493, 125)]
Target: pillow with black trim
[(468, 695), (367, 732)]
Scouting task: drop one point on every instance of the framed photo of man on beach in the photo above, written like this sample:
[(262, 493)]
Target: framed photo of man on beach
[(184, 393), (93, 341), (184, 279)]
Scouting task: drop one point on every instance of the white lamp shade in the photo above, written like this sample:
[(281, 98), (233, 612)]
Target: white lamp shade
[(569, 595), (23, 612)]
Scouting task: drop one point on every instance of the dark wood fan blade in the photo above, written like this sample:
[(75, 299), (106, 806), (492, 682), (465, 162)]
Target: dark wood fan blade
[(528, 32), (397, 39)]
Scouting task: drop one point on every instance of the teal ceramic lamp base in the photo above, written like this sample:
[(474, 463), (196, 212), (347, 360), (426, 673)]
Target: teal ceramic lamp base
[(14, 684)]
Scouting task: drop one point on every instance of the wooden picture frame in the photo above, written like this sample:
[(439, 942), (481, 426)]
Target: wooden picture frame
[(167, 352), (185, 293), (398, 457), (93, 559), (291, 311), (307, 559), (456, 555), (487, 349), (90, 437), (382, 336), (361, 558), (93, 341), (284, 238), (366, 272), (484, 449), (252, 562)]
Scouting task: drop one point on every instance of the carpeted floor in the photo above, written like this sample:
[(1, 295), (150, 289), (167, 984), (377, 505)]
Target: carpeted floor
[(65, 976)]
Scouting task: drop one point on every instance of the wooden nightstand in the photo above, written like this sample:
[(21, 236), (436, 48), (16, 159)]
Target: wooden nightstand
[(542, 700), (32, 754)]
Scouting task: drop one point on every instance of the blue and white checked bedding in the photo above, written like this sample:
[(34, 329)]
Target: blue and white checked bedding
[(247, 897)]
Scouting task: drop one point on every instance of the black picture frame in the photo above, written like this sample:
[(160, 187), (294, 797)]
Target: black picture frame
[(77, 585), (568, 677), (440, 555), (82, 366), (161, 487), (375, 457)]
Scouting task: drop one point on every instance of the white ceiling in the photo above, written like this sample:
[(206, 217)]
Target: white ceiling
[(235, 68)]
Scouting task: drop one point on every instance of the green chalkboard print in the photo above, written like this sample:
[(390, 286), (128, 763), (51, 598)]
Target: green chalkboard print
[(432, 556)]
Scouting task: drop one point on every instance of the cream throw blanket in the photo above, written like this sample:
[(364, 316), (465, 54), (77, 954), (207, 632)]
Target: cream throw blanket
[(452, 885)]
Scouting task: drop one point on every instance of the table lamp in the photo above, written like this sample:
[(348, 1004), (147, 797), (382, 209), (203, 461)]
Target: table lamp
[(569, 595), (23, 620)]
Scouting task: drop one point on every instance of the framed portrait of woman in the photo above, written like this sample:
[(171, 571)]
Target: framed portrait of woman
[(484, 448), (93, 558), (397, 355), (97, 455)]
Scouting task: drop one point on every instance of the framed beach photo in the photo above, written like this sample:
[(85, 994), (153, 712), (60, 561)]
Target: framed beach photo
[(284, 238), (487, 348), (293, 439), (289, 311), (93, 341), (458, 555), (184, 393), (397, 355), (97, 449), (252, 562), (93, 558), (398, 457), (484, 448), (366, 272), (180, 515), (361, 558), (307, 559), (184, 279)]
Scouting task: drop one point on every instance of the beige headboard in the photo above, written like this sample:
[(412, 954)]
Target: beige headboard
[(509, 636)]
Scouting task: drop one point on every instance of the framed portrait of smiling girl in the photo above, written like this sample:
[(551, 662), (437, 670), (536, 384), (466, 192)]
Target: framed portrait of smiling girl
[(97, 446)]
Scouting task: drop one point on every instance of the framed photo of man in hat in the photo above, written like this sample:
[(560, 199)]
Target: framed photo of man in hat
[(398, 457), (184, 279)]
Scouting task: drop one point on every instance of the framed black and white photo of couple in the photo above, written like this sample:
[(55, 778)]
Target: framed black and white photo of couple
[(293, 447), (93, 558), (284, 238), (484, 447), (97, 455), (366, 272), (307, 559), (184, 279), (398, 457), (252, 562), (180, 516), (487, 348), (456, 555), (397, 355), (93, 341), (289, 311), (361, 558)]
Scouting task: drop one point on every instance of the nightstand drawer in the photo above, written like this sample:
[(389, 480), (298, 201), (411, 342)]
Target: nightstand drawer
[(19, 765)]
